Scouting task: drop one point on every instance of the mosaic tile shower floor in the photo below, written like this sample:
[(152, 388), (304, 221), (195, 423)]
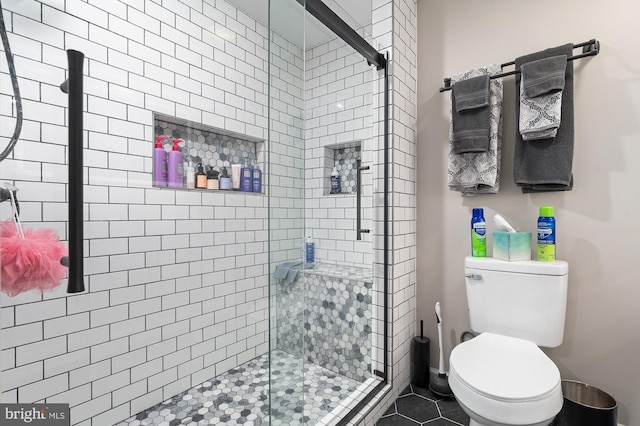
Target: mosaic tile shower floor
[(241, 396)]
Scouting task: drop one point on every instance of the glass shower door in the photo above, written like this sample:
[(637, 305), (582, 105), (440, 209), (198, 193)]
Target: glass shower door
[(340, 139), (325, 336), (286, 185)]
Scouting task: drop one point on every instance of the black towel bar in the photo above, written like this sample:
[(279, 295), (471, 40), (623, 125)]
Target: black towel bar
[(75, 88), (589, 48)]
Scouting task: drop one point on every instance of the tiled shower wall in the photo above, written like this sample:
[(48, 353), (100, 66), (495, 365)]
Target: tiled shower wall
[(394, 30), (324, 317), (339, 111), (176, 280)]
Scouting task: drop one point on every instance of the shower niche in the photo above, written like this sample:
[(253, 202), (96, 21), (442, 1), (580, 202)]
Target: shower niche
[(345, 157), (210, 146)]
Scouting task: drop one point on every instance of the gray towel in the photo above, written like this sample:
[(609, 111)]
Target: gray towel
[(283, 269), (541, 97), (289, 270), (470, 114), (544, 165), (479, 172), (293, 271), (543, 76)]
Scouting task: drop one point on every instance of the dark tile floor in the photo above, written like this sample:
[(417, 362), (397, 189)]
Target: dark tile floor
[(418, 406)]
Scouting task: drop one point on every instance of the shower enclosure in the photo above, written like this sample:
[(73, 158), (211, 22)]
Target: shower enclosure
[(200, 305), (327, 115)]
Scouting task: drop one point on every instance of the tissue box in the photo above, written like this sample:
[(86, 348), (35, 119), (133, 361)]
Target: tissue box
[(512, 245)]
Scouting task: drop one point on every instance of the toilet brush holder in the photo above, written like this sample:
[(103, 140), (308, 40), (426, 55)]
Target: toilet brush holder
[(421, 359)]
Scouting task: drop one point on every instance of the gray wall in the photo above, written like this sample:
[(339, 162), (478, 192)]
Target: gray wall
[(597, 222)]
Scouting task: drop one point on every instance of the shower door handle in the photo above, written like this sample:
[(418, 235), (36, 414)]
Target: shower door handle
[(359, 230)]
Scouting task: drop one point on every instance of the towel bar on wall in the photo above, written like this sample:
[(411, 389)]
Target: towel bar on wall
[(75, 88), (589, 48)]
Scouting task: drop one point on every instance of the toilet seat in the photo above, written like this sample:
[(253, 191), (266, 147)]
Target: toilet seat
[(505, 380)]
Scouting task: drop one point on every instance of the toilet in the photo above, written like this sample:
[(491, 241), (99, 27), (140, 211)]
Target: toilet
[(502, 377)]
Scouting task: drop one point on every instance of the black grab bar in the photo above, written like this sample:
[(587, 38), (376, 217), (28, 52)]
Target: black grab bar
[(73, 86)]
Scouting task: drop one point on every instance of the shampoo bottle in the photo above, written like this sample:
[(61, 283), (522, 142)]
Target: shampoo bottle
[(175, 170), (159, 163), (309, 250), (478, 234), (212, 179), (191, 176), (235, 176), (225, 180), (546, 235), (201, 178), (335, 181), (245, 177), (256, 180)]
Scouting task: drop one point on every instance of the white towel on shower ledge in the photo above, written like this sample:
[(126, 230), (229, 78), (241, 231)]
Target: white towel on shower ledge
[(479, 172)]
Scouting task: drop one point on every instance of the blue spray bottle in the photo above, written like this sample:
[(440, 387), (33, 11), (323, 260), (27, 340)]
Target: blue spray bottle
[(478, 234)]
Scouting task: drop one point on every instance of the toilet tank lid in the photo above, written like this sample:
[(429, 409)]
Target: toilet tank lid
[(559, 267)]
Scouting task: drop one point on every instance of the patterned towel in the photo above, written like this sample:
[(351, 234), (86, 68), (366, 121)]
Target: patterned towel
[(540, 117), (479, 172), (541, 97)]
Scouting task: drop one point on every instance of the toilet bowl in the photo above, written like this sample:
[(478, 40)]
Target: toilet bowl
[(502, 381)]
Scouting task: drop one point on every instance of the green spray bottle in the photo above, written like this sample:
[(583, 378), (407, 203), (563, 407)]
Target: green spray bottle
[(478, 234)]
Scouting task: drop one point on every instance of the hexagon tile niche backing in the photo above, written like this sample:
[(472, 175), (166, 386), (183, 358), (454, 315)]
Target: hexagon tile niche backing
[(207, 147), (346, 160)]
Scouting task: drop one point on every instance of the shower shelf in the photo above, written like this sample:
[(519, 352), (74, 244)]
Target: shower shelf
[(345, 157), (211, 147)]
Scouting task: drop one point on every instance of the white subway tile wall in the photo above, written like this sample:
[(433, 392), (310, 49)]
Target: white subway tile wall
[(176, 281), (394, 30), (339, 90)]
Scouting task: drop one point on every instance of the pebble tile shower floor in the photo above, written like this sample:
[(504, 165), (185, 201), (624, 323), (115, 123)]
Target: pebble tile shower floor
[(241, 396)]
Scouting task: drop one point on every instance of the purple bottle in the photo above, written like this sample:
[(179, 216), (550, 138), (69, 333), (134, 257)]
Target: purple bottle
[(246, 176), (256, 179), (175, 170), (159, 163)]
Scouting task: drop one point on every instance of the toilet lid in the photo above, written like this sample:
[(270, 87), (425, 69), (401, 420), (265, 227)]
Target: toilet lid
[(504, 368)]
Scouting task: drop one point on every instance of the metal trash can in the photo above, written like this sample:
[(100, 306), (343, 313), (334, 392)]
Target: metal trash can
[(586, 405)]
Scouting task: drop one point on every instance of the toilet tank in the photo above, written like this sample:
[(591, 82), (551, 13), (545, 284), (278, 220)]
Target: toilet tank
[(525, 299)]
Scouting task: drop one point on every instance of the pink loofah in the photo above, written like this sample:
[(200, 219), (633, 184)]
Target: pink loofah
[(32, 262)]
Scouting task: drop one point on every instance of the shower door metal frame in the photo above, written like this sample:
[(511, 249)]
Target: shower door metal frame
[(332, 21)]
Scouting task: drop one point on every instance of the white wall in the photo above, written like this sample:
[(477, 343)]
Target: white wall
[(597, 222), (339, 110), (394, 31)]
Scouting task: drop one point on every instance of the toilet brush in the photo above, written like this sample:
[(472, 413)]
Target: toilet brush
[(439, 385)]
